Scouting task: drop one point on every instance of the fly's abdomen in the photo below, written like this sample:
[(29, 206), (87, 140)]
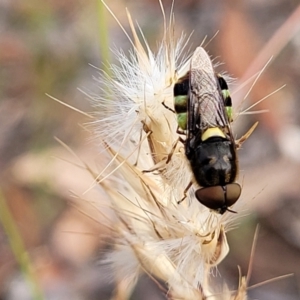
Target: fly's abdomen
[(181, 90), (180, 105), (226, 97)]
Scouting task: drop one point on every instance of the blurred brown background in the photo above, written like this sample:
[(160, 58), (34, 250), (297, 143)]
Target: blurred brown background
[(49, 47)]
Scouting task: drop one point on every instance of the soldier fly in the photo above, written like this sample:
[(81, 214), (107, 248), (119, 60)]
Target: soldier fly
[(204, 111)]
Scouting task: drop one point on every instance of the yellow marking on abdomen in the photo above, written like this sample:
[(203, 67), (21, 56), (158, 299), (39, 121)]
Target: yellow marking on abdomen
[(212, 132)]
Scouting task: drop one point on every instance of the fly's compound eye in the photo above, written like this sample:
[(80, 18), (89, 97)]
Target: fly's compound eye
[(233, 193), (219, 197), (212, 197)]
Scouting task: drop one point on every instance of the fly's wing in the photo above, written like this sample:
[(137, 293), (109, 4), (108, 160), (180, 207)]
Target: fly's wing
[(205, 104)]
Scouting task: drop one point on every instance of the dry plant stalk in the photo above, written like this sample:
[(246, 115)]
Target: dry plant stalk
[(178, 244)]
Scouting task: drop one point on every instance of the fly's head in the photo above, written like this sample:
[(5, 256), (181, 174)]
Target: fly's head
[(219, 198)]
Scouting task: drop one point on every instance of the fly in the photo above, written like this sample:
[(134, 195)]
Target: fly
[(204, 112)]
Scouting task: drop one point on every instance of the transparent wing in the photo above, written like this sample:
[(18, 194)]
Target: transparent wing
[(206, 105)]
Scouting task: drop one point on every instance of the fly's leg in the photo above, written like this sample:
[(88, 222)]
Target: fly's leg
[(181, 132), (242, 139), (167, 107), (185, 192), (172, 151), (180, 139), (146, 128), (178, 130), (160, 165), (157, 167), (139, 150)]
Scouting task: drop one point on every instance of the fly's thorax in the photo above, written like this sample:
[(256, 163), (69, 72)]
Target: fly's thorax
[(213, 158)]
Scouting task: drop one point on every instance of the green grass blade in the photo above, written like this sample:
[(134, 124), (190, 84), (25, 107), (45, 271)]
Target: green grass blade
[(18, 249)]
